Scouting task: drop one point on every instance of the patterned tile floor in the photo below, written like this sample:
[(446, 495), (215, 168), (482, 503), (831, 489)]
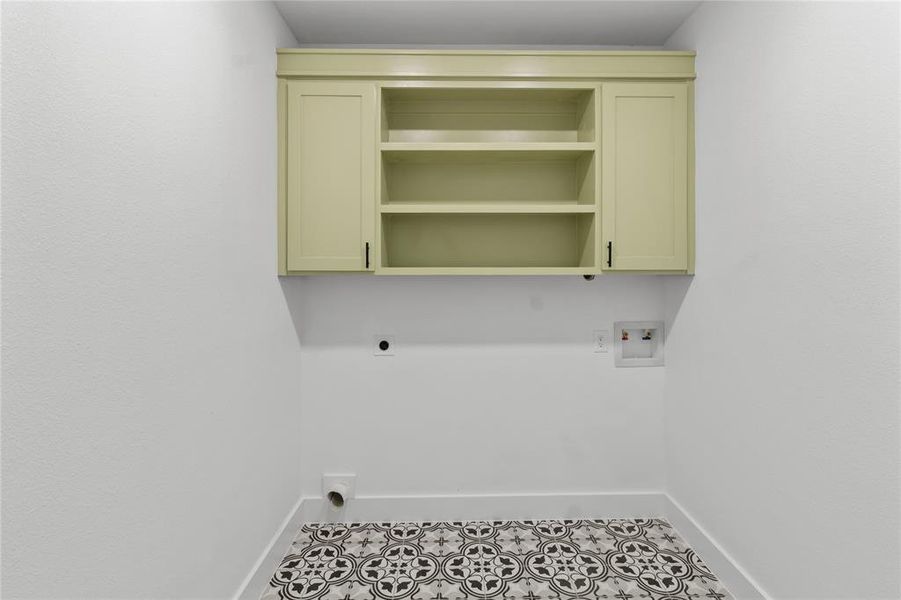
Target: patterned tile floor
[(617, 559)]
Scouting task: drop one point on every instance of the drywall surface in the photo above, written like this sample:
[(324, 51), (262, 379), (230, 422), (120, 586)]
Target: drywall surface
[(782, 373), (494, 387), (150, 412)]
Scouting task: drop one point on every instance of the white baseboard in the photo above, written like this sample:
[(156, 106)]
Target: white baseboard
[(730, 573), (255, 582), (640, 504), (487, 507)]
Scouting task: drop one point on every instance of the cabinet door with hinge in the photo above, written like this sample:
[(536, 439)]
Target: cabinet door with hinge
[(645, 176), (329, 163)]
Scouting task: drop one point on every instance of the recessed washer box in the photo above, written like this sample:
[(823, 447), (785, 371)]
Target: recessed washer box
[(638, 343)]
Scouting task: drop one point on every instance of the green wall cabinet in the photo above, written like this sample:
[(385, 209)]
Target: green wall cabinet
[(498, 163)]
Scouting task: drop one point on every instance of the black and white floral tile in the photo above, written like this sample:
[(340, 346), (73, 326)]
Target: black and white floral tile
[(616, 559)]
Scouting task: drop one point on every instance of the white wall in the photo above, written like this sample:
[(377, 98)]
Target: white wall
[(160, 416), (494, 387), (150, 381), (782, 359)]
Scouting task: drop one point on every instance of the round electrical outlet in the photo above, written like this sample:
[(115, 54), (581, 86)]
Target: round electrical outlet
[(383, 344)]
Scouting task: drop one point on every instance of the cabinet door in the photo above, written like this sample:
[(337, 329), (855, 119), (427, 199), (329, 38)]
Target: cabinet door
[(645, 176), (330, 162)]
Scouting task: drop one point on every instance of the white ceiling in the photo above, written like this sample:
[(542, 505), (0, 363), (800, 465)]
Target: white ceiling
[(484, 22)]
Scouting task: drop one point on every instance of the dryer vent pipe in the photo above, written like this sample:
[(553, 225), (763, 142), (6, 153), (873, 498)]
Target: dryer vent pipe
[(337, 495)]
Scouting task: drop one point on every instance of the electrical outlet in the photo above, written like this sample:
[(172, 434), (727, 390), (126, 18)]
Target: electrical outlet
[(383, 345), (601, 340)]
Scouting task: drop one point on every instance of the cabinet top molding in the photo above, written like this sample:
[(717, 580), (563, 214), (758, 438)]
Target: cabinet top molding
[(493, 64)]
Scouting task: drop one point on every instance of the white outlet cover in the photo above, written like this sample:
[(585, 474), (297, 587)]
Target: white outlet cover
[(376, 345), (602, 340)]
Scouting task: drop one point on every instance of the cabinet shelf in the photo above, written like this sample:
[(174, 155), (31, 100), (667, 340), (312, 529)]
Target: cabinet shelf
[(458, 151), (495, 208), (487, 271), (487, 146)]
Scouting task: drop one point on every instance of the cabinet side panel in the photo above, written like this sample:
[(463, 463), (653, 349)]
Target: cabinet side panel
[(282, 129), (690, 160)]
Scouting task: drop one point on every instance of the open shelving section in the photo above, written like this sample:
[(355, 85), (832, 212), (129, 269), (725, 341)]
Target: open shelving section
[(482, 180)]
